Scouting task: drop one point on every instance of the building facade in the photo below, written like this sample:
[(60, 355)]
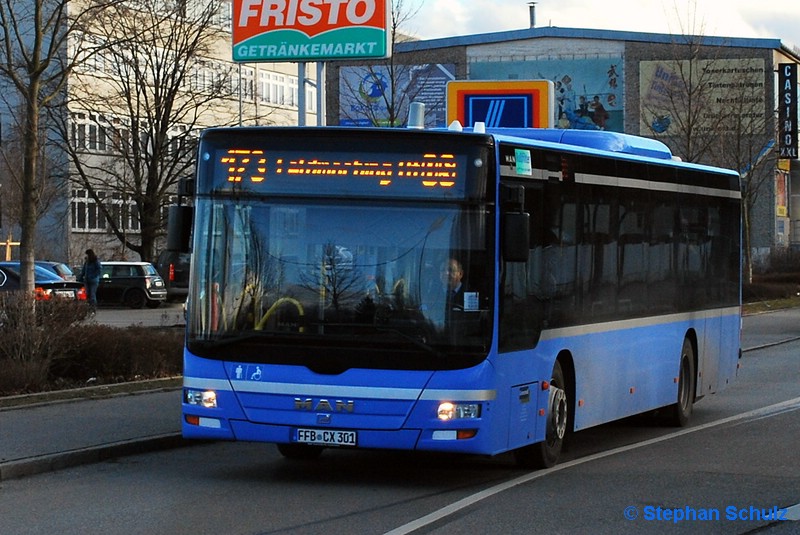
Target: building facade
[(713, 100), (109, 120)]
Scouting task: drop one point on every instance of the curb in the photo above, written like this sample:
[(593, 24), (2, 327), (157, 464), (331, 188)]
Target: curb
[(93, 454), (91, 392)]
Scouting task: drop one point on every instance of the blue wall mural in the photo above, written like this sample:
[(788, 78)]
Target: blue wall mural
[(588, 92)]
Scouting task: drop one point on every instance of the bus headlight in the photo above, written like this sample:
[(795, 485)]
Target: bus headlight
[(458, 411), (203, 398)]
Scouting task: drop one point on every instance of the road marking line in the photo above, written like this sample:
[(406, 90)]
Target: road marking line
[(771, 410), (771, 344)]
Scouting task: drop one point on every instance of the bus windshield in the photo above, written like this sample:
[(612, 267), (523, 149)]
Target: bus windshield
[(339, 285)]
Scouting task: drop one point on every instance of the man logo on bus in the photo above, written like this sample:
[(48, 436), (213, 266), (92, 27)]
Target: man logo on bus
[(323, 405)]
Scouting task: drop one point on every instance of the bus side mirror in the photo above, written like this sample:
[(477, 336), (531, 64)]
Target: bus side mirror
[(516, 236), (179, 228)]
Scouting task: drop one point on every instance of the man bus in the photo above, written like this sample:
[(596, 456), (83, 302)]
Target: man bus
[(601, 279)]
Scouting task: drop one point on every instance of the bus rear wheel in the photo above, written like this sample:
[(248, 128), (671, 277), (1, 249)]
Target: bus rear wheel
[(679, 413), (546, 453)]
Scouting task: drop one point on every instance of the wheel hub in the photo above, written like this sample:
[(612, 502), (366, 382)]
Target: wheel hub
[(558, 411)]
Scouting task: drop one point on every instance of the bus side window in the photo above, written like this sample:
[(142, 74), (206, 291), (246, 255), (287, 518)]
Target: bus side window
[(521, 311)]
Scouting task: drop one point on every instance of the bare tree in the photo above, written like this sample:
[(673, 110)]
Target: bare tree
[(379, 93), (151, 77), (745, 144), (713, 110), (48, 186), (34, 37), (678, 98)]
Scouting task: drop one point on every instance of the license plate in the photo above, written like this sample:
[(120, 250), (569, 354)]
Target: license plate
[(326, 437), (65, 293)]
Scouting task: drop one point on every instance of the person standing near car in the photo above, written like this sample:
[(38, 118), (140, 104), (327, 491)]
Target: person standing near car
[(90, 277)]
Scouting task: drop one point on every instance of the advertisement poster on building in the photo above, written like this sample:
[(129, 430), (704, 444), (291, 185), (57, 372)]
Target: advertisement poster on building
[(781, 192), (588, 92), (730, 92), (367, 97)]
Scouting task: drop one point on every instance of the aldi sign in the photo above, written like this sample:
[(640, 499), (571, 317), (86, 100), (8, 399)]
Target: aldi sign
[(503, 103), (310, 30)]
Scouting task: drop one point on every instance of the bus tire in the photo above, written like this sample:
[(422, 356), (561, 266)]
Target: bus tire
[(680, 413), (546, 453), (300, 452)]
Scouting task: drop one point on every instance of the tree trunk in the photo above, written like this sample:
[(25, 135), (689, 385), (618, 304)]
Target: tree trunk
[(747, 259), (30, 192)]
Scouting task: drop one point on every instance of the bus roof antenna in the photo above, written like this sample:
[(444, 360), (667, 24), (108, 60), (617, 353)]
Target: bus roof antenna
[(416, 115)]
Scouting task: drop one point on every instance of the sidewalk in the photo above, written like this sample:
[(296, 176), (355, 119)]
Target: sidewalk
[(51, 435)]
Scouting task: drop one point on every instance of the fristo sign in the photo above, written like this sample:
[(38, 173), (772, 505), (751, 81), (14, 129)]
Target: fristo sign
[(310, 30)]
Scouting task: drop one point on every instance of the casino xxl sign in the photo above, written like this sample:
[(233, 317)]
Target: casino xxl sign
[(310, 30), (787, 111)]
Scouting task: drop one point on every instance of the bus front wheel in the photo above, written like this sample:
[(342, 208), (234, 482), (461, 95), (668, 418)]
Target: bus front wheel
[(546, 453)]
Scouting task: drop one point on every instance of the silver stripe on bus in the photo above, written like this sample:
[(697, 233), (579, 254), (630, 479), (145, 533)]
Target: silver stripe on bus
[(651, 321), (633, 183), (638, 183), (466, 395), (201, 383), (363, 392)]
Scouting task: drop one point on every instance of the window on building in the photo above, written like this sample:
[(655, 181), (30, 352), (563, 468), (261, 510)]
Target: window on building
[(90, 132), (87, 216), (311, 98), (224, 15), (244, 80), (290, 91)]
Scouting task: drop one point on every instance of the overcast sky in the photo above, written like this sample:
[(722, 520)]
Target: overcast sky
[(730, 18)]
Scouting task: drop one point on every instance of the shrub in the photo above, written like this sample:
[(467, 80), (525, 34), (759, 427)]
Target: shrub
[(32, 333), (47, 346), (772, 286), (112, 354)]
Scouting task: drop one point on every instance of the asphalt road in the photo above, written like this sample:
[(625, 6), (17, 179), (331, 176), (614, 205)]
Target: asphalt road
[(733, 470)]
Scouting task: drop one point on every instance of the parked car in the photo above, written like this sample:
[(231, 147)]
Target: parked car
[(47, 284), (59, 268), (134, 284), (174, 269)]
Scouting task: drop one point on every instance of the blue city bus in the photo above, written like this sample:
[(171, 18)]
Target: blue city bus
[(475, 292)]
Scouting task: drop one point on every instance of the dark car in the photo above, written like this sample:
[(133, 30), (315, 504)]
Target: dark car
[(59, 268), (174, 269), (134, 284), (47, 284)]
